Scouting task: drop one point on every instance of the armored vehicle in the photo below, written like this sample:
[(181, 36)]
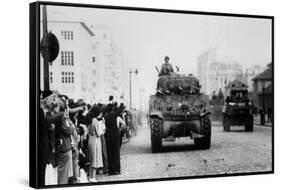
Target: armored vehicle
[(237, 109), (178, 109)]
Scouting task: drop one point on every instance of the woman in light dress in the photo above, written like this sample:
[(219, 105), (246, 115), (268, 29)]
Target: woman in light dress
[(96, 129)]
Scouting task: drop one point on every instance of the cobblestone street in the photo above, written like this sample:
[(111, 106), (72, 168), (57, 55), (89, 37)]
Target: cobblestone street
[(231, 152)]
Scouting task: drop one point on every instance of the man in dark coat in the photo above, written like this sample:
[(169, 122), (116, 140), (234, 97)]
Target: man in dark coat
[(43, 158), (43, 147), (112, 141)]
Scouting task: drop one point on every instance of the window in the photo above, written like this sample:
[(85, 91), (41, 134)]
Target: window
[(67, 58), (62, 77), (72, 79), (51, 77), (71, 36), (94, 59), (62, 58), (67, 77), (94, 72), (72, 59), (94, 84), (67, 35)]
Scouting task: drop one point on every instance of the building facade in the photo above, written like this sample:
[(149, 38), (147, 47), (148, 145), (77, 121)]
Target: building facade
[(220, 74), (263, 97), (250, 73), (213, 74), (203, 62), (71, 72), (108, 61), (89, 63)]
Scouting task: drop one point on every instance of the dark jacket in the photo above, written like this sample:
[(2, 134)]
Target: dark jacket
[(111, 124), (64, 129), (43, 138)]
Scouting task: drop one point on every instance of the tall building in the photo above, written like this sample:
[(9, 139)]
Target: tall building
[(213, 74), (203, 62), (73, 71), (220, 74), (108, 61)]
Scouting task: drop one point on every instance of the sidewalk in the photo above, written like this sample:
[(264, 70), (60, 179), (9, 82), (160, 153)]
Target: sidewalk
[(257, 121)]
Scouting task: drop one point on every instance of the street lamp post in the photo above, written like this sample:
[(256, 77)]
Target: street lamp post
[(141, 93), (130, 83), (49, 48)]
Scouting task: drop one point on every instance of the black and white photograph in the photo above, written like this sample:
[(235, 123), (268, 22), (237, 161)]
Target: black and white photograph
[(144, 94)]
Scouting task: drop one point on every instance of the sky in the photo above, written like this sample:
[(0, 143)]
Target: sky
[(146, 37)]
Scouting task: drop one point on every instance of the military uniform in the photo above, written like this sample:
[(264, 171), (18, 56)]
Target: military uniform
[(166, 69)]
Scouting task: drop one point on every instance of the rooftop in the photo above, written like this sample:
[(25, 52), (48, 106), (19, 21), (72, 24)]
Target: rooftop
[(91, 33), (265, 75)]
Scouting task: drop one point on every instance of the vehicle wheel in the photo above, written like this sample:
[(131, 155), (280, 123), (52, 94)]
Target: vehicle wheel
[(156, 134), (204, 142), (226, 123), (249, 125)]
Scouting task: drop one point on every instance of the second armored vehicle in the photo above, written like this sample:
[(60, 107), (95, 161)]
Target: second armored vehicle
[(237, 109)]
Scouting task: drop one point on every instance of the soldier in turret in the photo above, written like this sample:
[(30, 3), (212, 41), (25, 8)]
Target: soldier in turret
[(167, 68)]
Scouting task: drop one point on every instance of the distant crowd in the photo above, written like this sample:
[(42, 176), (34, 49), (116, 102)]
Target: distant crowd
[(77, 140)]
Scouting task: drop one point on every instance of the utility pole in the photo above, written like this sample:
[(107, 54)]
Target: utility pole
[(141, 93), (46, 57), (130, 83), (49, 48)]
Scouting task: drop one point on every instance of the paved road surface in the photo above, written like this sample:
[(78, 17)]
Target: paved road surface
[(231, 152)]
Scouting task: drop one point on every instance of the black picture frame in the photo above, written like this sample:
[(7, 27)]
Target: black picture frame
[(34, 91)]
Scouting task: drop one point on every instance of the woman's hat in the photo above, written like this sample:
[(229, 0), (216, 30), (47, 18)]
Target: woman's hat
[(46, 93), (80, 102), (95, 111)]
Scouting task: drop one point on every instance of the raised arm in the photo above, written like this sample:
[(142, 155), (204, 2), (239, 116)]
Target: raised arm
[(75, 110), (120, 121)]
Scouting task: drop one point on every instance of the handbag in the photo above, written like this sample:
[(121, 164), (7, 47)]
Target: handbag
[(83, 176), (51, 175)]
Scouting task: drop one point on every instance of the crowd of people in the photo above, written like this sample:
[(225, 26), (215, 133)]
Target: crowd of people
[(77, 140)]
